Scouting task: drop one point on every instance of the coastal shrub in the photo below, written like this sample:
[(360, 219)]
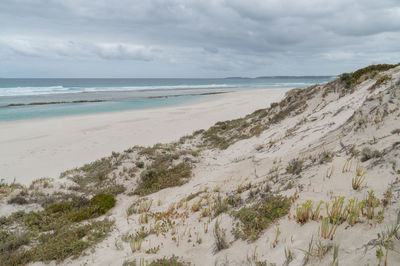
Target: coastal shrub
[(69, 212), (162, 174), (367, 153), (69, 241), (220, 206), (17, 200), (139, 164), (63, 240), (295, 166), (254, 219), (352, 79), (10, 242), (98, 169), (285, 112), (225, 133), (94, 178), (395, 131), (54, 233), (325, 157), (171, 261)]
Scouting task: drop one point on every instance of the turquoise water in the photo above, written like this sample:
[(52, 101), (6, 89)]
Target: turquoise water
[(120, 94), (45, 111)]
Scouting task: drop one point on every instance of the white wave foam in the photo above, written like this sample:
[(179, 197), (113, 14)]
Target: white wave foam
[(29, 91), (154, 87)]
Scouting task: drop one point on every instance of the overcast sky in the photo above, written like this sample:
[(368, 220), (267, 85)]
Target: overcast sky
[(203, 38)]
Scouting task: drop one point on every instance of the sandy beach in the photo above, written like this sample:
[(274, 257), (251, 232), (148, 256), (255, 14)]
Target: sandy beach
[(38, 148)]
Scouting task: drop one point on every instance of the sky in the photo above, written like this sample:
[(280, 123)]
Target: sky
[(195, 38)]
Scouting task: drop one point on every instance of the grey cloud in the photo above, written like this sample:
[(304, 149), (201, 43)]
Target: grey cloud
[(226, 37)]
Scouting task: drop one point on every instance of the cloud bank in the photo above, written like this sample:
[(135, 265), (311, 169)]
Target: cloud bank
[(195, 38)]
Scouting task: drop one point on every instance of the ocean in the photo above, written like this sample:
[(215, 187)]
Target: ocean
[(22, 99)]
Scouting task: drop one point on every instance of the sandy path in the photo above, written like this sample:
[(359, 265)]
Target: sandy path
[(46, 147)]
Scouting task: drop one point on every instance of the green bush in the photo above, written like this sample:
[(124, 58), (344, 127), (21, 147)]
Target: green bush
[(351, 79), (295, 166), (139, 164), (54, 232), (162, 175), (103, 202), (172, 261), (69, 212), (256, 218), (367, 153)]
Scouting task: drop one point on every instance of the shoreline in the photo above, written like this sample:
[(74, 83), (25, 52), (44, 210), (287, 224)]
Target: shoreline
[(99, 100), (45, 147)]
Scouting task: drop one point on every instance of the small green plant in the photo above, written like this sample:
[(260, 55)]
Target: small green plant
[(316, 213), (353, 210), (336, 214), (220, 206), (196, 206), (276, 240), (379, 255), (390, 233), (288, 256), (395, 131), (387, 197), (220, 238), (327, 229), (325, 157), (303, 212), (367, 153), (153, 250), (139, 164), (369, 205), (335, 260), (295, 166), (316, 249), (357, 181), (136, 245)]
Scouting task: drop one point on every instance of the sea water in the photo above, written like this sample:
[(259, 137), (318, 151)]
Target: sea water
[(23, 98)]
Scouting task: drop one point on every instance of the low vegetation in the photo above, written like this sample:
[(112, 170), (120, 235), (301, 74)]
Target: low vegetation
[(352, 79), (220, 238), (295, 166), (304, 212), (171, 261), (367, 153), (163, 174), (257, 217), (94, 178), (56, 232)]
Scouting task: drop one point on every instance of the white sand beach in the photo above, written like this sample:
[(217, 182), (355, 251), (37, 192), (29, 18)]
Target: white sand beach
[(38, 148)]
